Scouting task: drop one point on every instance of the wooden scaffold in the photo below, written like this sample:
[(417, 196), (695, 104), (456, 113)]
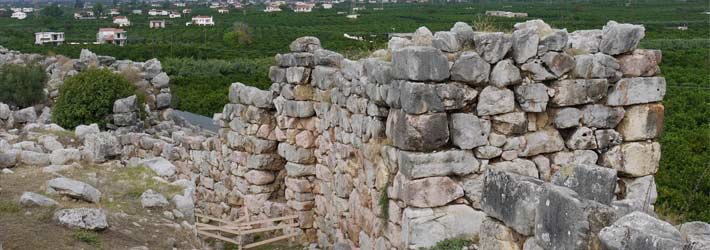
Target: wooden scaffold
[(229, 230)]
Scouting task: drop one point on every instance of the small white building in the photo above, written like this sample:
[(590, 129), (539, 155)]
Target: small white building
[(19, 15), (54, 38), (111, 36), (303, 7), (137, 12), (175, 15), (327, 6), (84, 15), (121, 21), (203, 21), (223, 10), (272, 7), (179, 4), (154, 12), (157, 24), (186, 11), (28, 10), (507, 14), (114, 12), (352, 16)]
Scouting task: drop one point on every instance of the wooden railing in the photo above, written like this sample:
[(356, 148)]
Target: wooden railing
[(229, 230)]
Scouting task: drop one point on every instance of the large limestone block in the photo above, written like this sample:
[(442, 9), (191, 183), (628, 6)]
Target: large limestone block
[(446, 41), (128, 104), (505, 73), (424, 227), (566, 221), (542, 142), (297, 109), (464, 33), (242, 94), (305, 44), (64, 156), (532, 97), (494, 235), (639, 230), (82, 218), (26, 115), (619, 38), (601, 116), (73, 188), (641, 62), (637, 90), (492, 46), (589, 66), (493, 101), (511, 198), (30, 199), (525, 42), (642, 122), (468, 131), (424, 132), (160, 166), (418, 98), (558, 63), (585, 40), (471, 69), (418, 63), (296, 154), (416, 165), (431, 192), (101, 146), (590, 181), (579, 91), (640, 158)]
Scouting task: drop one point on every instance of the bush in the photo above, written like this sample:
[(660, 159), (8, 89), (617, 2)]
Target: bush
[(22, 85), (88, 97), (451, 244)]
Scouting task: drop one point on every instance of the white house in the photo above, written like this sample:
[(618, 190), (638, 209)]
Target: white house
[(303, 7), (154, 12), (179, 4), (327, 6), (507, 14), (272, 7), (114, 12), (84, 15), (121, 21), (157, 24), (19, 15), (352, 16), (175, 15), (111, 36), (186, 11), (137, 12), (203, 21), (28, 10), (223, 10), (55, 38)]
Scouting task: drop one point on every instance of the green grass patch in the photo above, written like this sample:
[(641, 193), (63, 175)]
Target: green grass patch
[(87, 237), (450, 244), (9, 207), (139, 179)]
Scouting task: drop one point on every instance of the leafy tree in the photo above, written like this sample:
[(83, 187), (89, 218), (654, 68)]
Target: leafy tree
[(99, 8), (52, 11), (240, 34), (88, 97), (22, 85)]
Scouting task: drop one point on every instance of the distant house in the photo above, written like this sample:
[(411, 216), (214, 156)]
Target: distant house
[(111, 36), (272, 7), (327, 6), (137, 12), (214, 5), (682, 27), (121, 21), (54, 38), (223, 10), (114, 12), (28, 10), (19, 15), (508, 14), (154, 12), (203, 21), (303, 7), (237, 5), (179, 4), (83, 15), (352, 16), (157, 24), (186, 11)]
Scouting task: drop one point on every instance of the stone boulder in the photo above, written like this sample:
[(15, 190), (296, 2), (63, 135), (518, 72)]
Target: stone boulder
[(446, 41), (637, 90), (424, 132), (511, 198), (642, 122), (152, 199), (492, 46), (639, 230), (566, 221), (26, 115), (641, 62), (589, 66), (430, 192), (74, 189), (82, 218), (494, 235), (101, 146), (160, 166), (620, 38), (161, 80), (571, 92), (471, 69), (64, 156), (82, 131), (525, 43), (468, 131), (29, 199), (305, 44), (589, 181), (414, 165), (505, 73), (419, 63), (585, 40), (493, 101)]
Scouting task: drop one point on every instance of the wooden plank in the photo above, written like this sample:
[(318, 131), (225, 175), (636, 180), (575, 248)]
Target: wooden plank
[(260, 230), (208, 227), (215, 219), (283, 237), (218, 237), (268, 220)]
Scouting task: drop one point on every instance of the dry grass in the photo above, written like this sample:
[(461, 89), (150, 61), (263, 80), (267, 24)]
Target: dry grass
[(485, 24)]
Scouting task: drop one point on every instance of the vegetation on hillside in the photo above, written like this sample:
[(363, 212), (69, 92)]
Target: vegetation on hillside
[(88, 97), (22, 85)]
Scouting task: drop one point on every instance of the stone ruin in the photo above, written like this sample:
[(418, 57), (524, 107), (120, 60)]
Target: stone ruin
[(539, 139)]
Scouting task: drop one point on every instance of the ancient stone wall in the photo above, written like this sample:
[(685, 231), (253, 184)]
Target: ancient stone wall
[(453, 134)]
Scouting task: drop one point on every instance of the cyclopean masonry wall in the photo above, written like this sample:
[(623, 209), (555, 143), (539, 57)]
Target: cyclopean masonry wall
[(539, 138)]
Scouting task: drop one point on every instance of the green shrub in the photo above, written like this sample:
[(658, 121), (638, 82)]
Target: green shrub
[(22, 85), (87, 237), (451, 244), (88, 97)]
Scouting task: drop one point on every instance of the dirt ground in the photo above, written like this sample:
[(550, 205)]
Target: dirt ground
[(130, 225)]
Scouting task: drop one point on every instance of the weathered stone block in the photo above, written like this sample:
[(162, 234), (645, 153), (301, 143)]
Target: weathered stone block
[(638, 230), (619, 38), (416, 165), (511, 198), (589, 181), (492, 46), (637, 90), (418, 63), (468, 131), (642, 122), (493, 101), (579, 91), (424, 227), (424, 132)]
